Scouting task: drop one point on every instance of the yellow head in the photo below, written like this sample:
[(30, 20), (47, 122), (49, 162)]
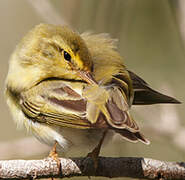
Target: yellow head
[(49, 51)]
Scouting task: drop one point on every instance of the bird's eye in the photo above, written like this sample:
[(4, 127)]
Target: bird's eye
[(67, 56)]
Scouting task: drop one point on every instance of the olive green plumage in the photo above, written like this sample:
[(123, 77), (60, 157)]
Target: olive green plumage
[(69, 88)]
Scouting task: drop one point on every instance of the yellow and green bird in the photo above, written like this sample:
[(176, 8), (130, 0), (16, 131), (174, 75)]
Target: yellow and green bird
[(73, 88)]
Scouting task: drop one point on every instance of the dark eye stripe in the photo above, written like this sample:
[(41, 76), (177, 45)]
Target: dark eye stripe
[(60, 49), (67, 56)]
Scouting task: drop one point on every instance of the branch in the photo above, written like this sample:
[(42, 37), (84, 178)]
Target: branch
[(107, 167)]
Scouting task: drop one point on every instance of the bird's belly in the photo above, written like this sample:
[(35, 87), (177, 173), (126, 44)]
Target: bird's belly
[(84, 139), (68, 138)]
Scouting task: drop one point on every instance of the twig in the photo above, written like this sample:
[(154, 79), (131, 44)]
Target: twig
[(107, 167)]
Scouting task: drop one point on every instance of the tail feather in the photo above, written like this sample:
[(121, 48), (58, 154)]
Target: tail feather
[(132, 137), (149, 96), (144, 95)]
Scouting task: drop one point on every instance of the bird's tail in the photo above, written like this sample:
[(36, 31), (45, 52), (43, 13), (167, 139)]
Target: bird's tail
[(145, 95)]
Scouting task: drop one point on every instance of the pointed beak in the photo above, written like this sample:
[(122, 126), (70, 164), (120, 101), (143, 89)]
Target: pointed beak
[(87, 76)]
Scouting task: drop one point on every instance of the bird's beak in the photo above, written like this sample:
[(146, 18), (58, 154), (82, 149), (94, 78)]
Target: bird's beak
[(87, 76)]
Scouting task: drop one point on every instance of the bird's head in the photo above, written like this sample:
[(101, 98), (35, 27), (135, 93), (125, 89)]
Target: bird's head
[(49, 51)]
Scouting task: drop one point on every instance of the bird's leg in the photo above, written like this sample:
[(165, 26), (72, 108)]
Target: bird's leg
[(96, 151), (54, 155)]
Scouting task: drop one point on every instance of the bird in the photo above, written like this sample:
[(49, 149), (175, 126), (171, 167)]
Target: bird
[(73, 90)]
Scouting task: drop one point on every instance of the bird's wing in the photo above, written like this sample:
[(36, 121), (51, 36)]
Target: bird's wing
[(121, 120), (68, 104), (112, 100), (54, 102), (144, 94), (120, 97)]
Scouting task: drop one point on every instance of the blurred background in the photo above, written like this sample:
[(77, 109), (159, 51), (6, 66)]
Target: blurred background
[(151, 38)]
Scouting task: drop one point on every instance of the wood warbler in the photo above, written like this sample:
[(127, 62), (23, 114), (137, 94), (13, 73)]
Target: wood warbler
[(73, 88)]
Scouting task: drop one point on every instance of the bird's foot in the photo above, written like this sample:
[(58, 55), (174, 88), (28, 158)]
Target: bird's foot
[(94, 155), (54, 155), (96, 151)]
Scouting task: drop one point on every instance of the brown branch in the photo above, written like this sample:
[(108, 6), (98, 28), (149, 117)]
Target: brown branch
[(107, 167)]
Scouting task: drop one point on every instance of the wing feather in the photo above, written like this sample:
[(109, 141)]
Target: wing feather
[(64, 104), (41, 104), (118, 109)]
